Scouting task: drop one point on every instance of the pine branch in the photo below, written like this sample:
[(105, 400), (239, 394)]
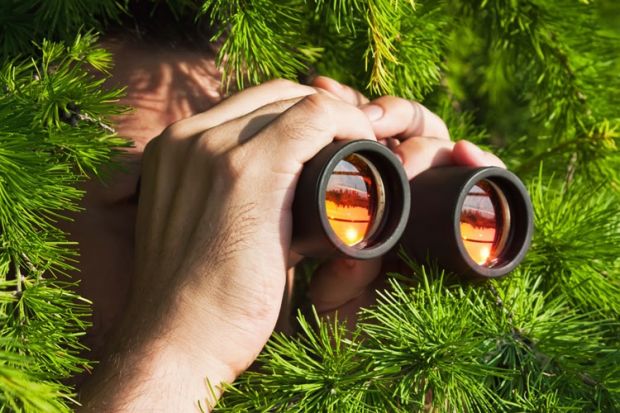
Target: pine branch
[(321, 369), (430, 344), (559, 78), (541, 76), (50, 139), (577, 244), (25, 21), (260, 41), (20, 393), (560, 355), (596, 152)]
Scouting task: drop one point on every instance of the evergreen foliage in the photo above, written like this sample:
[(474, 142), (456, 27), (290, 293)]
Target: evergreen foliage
[(21, 22), (50, 139), (578, 244), (536, 80), (456, 347)]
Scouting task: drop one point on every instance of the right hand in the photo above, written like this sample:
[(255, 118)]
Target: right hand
[(214, 221), (213, 234)]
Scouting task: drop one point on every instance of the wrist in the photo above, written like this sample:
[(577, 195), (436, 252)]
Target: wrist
[(156, 374), (176, 328)]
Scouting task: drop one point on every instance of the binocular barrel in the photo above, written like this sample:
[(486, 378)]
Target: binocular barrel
[(353, 199)]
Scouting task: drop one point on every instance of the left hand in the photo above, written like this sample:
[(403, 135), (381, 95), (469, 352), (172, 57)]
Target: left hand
[(422, 141)]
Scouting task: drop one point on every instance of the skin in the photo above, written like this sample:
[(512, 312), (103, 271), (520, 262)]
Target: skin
[(188, 284)]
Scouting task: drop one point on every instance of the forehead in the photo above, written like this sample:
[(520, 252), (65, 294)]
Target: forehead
[(162, 84)]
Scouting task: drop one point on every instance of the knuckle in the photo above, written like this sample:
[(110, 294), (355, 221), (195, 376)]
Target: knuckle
[(316, 105), (394, 98), (232, 165), (417, 110), (439, 128), (207, 143), (281, 106), (430, 121), (390, 100), (324, 92), (173, 131), (304, 127), (308, 118)]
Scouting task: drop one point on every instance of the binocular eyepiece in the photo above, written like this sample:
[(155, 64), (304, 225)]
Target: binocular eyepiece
[(353, 199)]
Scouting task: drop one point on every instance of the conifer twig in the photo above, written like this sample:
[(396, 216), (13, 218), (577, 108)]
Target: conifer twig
[(544, 358), (18, 278), (572, 167), (88, 118), (500, 304), (31, 267)]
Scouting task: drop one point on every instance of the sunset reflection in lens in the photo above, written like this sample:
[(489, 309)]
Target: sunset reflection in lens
[(354, 200), (485, 223)]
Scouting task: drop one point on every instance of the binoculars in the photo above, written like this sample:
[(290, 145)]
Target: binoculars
[(353, 200)]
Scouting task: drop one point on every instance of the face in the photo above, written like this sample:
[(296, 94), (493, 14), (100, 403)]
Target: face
[(163, 86)]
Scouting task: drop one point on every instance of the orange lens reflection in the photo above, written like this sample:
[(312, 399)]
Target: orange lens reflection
[(354, 200), (485, 223)]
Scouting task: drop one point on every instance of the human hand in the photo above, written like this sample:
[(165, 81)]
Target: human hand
[(212, 242), (422, 141)]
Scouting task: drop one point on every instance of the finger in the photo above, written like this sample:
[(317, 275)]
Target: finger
[(293, 259), (340, 90), (423, 153), (173, 146), (392, 143), (191, 192), (302, 131), (340, 281), (241, 104), (159, 180), (467, 154), (403, 119), (189, 202), (234, 132)]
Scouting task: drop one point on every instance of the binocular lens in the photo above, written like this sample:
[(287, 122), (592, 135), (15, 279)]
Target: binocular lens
[(485, 223), (354, 200)]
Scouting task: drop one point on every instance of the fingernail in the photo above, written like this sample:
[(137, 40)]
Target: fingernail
[(374, 112)]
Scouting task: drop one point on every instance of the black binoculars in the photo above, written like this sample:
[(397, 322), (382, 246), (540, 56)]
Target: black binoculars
[(353, 199)]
